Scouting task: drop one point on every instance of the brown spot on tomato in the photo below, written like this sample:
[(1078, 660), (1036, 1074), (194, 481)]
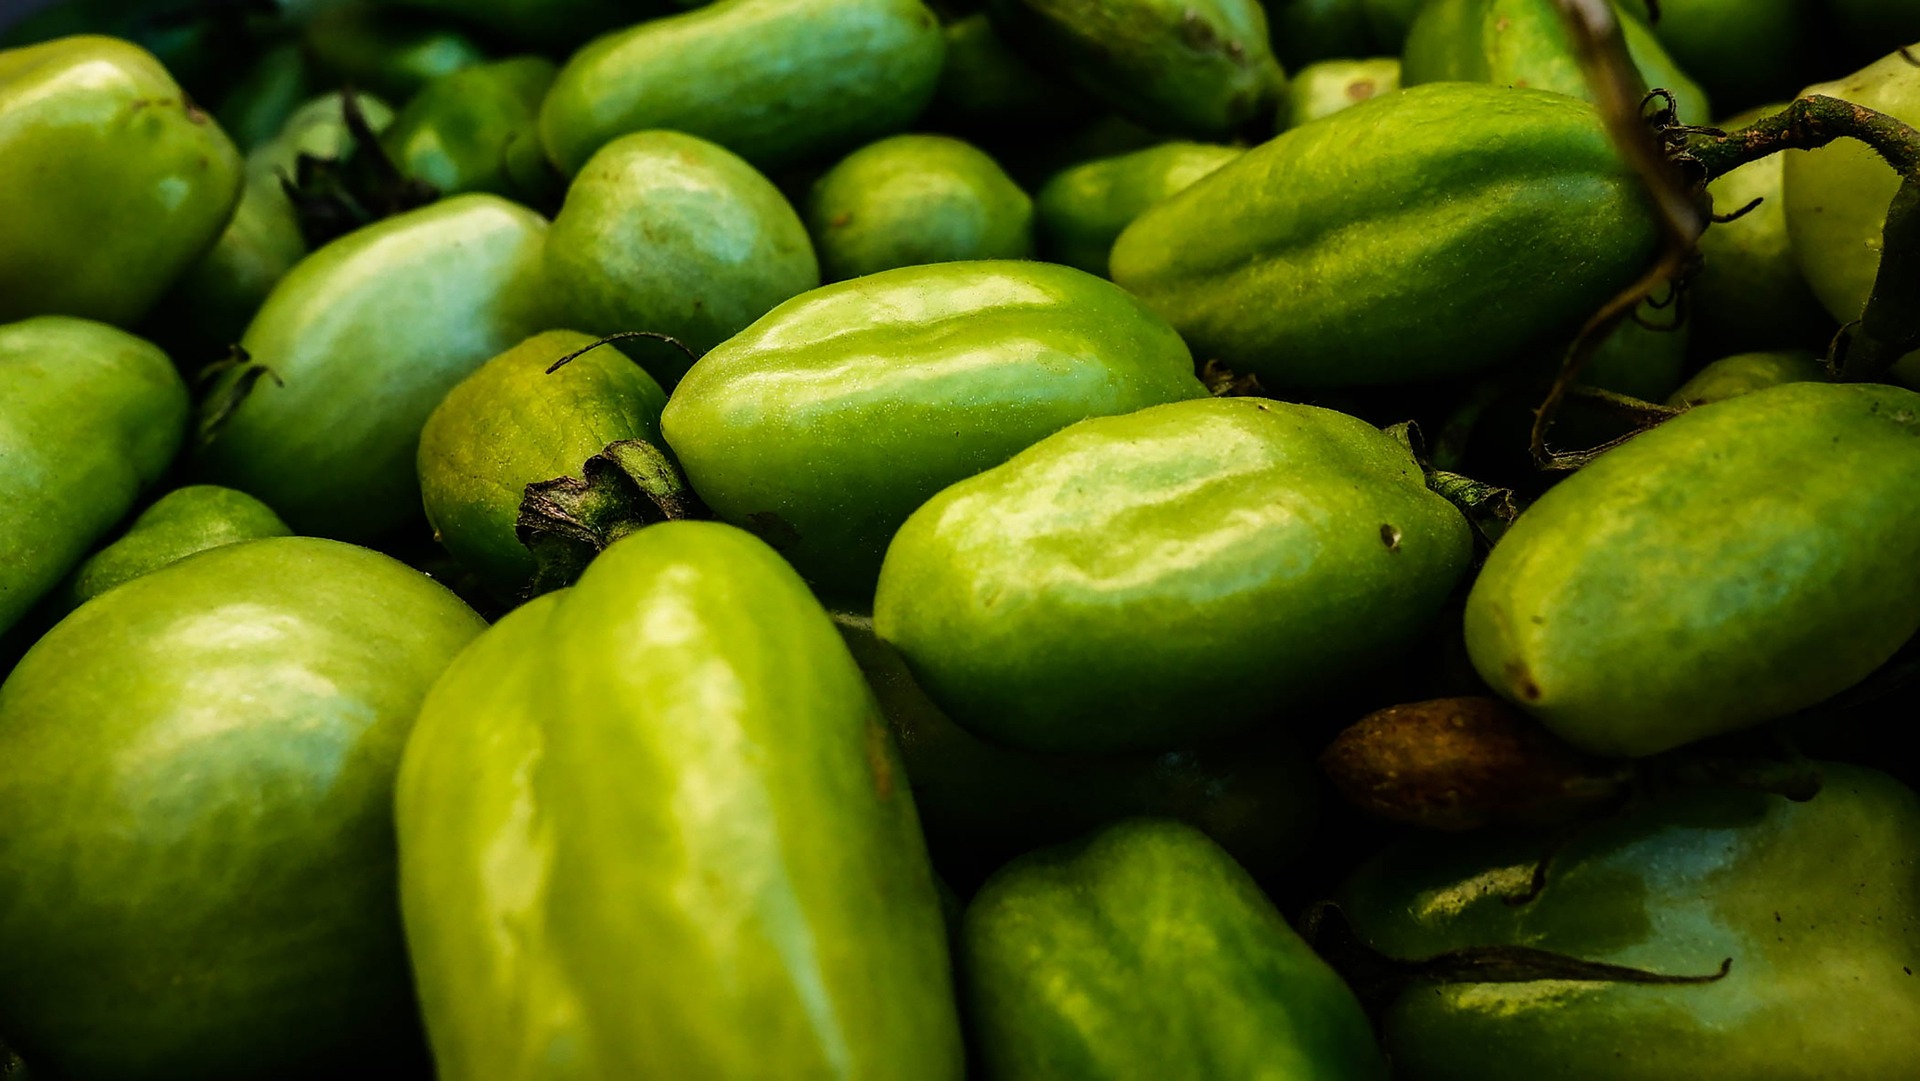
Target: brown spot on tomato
[(1390, 536), (1522, 681)]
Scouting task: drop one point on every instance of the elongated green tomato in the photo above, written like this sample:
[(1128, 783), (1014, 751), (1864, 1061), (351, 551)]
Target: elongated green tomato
[(1742, 51), (184, 522), (514, 423), (1385, 244), (1150, 581), (774, 81), (987, 88), (98, 142), (1702, 578), (478, 130), (706, 829), (823, 425), (1083, 209), (1814, 907), (89, 416), (1744, 373), (368, 44), (1525, 43), (913, 199), (1837, 197), (1329, 86), (1749, 293), (670, 233), (1191, 67), (362, 339), (196, 819), (1145, 951), (1308, 31)]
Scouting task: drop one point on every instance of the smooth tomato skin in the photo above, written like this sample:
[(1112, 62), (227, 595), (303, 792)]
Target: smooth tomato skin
[(184, 522), (195, 825), (111, 182), (913, 199), (1817, 905), (477, 129)]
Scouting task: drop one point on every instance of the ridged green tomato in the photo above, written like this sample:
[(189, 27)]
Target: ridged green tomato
[(89, 416), (653, 826), (670, 233), (1082, 209), (514, 423), (1742, 51), (196, 826), (913, 199), (184, 522), (774, 81), (982, 804), (111, 182), (823, 425), (1385, 244), (1749, 293), (1145, 951), (1837, 197), (1816, 905), (1150, 581), (1744, 373), (1329, 86), (367, 44), (1308, 31), (986, 87), (1525, 43), (478, 130), (362, 339), (1741, 561), (1192, 67)]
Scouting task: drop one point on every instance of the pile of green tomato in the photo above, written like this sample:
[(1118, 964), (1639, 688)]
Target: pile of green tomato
[(901, 540)]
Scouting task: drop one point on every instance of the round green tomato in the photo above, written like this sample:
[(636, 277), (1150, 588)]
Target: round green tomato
[(477, 130), (184, 522), (1329, 86), (913, 199), (1083, 209), (1744, 373), (196, 821)]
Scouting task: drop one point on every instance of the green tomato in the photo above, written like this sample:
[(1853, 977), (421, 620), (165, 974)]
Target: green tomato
[(1083, 209), (184, 522), (775, 81), (362, 339), (1192, 67), (676, 845), (1816, 905), (89, 417), (1742, 51), (478, 130), (111, 182), (1739, 562), (1525, 43), (913, 199), (1151, 581), (369, 45), (512, 423), (1329, 86), (824, 424), (196, 823), (986, 87), (1744, 373), (670, 233), (1145, 951)]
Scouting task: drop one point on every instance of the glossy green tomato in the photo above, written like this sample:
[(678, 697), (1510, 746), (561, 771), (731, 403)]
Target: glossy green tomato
[(652, 826), (1739, 562), (478, 130), (89, 416), (1193, 67), (1744, 373), (511, 424), (1308, 31), (1145, 951), (913, 199), (1385, 244), (1150, 581), (671, 233), (823, 425), (366, 44), (111, 182), (196, 823), (184, 522), (1816, 905), (1082, 209), (362, 339), (1742, 51), (988, 88), (1525, 43), (1329, 86), (775, 81), (1749, 292)]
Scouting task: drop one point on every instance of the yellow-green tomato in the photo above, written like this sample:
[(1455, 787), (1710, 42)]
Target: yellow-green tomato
[(913, 199), (1741, 561), (1150, 581), (111, 182), (1329, 86)]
